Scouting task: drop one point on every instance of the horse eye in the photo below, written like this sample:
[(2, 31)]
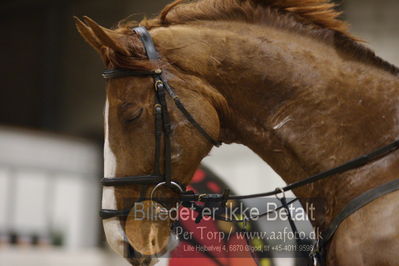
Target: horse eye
[(131, 116)]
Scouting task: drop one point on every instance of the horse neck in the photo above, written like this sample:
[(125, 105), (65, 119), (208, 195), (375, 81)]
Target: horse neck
[(300, 104)]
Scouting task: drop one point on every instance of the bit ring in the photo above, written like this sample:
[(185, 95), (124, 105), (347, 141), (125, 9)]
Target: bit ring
[(162, 184)]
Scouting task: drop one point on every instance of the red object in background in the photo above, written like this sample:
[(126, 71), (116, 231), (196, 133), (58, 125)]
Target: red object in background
[(199, 176), (221, 251)]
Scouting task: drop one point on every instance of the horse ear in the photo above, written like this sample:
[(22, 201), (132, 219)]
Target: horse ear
[(98, 36), (87, 34)]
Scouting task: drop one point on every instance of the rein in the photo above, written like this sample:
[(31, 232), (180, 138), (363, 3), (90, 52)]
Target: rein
[(189, 198)]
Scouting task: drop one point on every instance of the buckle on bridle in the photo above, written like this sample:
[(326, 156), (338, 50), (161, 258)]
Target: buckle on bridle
[(159, 85), (201, 196)]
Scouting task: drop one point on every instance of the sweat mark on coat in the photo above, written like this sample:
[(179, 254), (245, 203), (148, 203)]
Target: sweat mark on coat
[(282, 123)]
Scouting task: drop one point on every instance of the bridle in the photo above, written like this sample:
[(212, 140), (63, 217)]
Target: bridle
[(189, 198), (162, 127)]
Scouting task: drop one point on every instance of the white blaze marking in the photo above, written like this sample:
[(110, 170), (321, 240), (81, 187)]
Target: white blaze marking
[(112, 227), (114, 233)]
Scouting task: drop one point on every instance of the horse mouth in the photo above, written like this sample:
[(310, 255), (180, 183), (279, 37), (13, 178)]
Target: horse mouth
[(147, 231)]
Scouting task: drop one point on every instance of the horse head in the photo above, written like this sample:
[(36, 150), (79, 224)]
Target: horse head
[(136, 137)]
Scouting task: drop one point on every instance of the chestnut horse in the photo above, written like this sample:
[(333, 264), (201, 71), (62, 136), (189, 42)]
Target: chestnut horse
[(284, 78)]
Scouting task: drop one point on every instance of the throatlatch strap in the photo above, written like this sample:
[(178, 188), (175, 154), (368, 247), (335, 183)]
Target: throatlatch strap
[(187, 114)]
